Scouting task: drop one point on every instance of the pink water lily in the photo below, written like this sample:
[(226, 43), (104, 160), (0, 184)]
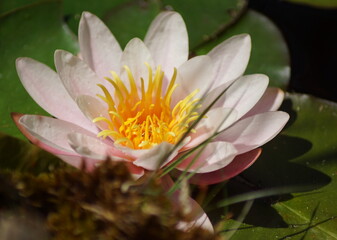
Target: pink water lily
[(137, 105)]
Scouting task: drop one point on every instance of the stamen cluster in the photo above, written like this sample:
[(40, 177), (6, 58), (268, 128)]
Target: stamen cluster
[(145, 118)]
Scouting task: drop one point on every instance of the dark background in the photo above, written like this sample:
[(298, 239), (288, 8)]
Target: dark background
[(311, 35)]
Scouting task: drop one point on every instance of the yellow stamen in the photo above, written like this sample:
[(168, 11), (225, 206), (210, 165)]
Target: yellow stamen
[(141, 120)]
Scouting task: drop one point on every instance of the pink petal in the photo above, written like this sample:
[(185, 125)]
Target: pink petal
[(242, 95), (214, 156), (136, 172), (217, 119), (153, 158), (167, 40), (46, 88), (254, 131), (194, 74), (93, 108), (92, 147), (135, 56), (231, 59), (99, 48), (270, 101), (48, 133), (238, 165), (76, 75), (198, 216)]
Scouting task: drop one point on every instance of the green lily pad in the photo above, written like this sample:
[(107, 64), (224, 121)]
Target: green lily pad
[(33, 31), (131, 20), (6, 6), (317, 3), (269, 55), (125, 18), (305, 154), (206, 18)]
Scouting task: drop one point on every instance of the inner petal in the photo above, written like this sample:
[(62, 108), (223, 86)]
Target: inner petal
[(143, 117)]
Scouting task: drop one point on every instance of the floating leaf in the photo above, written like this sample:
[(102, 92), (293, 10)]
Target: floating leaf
[(33, 31)]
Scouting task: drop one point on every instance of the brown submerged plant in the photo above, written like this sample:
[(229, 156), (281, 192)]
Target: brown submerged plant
[(103, 204)]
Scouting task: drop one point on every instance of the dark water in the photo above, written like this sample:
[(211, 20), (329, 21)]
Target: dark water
[(311, 35)]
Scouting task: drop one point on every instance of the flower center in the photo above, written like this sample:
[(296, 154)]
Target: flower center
[(141, 118)]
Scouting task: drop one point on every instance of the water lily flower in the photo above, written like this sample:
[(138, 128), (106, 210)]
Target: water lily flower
[(135, 105)]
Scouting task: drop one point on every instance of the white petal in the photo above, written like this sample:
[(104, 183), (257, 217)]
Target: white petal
[(50, 131), (254, 131), (167, 40), (270, 101), (217, 119), (46, 88), (93, 148), (99, 48), (196, 73), (135, 56), (214, 156), (76, 75), (93, 108), (242, 95), (231, 59), (155, 157)]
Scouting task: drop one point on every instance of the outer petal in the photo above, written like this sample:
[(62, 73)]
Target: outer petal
[(214, 156), (231, 59), (238, 165), (48, 133), (76, 75), (254, 131), (270, 101), (99, 48), (194, 74), (217, 119), (135, 56), (198, 216), (167, 40), (63, 151), (241, 96), (46, 88)]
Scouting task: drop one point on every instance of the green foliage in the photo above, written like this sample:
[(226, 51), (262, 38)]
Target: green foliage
[(34, 31)]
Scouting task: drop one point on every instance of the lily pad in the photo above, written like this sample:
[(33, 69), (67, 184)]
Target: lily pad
[(6, 6), (269, 51), (33, 31), (125, 18), (305, 154), (317, 3), (206, 18), (131, 20)]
